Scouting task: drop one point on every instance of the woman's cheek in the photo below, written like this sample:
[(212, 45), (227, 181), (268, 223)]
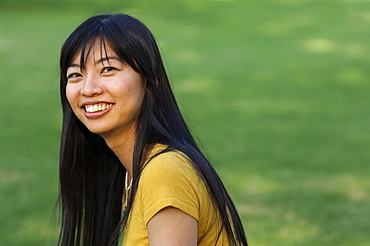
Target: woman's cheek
[(71, 95)]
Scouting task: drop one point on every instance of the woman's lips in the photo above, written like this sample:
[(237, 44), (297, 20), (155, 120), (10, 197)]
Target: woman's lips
[(93, 111)]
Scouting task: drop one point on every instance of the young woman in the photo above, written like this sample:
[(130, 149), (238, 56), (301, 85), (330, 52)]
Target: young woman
[(128, 163)]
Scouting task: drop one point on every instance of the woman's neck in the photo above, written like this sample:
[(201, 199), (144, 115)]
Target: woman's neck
[(122, 146)]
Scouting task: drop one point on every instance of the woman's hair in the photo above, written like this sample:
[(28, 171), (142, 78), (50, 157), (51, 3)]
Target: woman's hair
[(91, 176)]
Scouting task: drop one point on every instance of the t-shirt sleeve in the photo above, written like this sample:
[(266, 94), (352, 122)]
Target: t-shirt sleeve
[(169, 180)]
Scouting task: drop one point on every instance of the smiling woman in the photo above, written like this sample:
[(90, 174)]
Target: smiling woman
[(125, 146), (105, 85)]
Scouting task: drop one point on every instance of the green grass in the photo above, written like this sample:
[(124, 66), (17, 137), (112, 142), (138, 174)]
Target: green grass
[(277, 91)]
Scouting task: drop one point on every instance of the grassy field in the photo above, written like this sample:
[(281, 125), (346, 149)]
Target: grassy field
[(276, 91)]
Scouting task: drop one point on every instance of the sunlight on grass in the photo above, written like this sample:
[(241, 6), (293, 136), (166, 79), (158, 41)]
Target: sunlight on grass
[(33, 227), (9, 177), (363, 15), (353, 50), (194, 85), (319, 45), (268, 106), (354, 188), (4, 44), (299, 231), (186, 57), (255, 210), (285, 27), (257, 184), (252, 184), (352, 76)]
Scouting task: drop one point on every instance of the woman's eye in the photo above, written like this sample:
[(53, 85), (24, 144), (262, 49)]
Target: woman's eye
[(108, 69), (73, 75)]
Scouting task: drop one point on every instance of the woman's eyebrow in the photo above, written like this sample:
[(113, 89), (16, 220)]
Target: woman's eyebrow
[(101, 60)]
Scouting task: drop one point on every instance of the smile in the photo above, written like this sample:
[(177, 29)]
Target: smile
[(97, 107)]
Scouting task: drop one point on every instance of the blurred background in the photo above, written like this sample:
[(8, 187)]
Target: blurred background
[(276, 91)]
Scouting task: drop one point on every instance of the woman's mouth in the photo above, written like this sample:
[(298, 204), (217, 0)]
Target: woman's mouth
[(94, 111), (97, 107)]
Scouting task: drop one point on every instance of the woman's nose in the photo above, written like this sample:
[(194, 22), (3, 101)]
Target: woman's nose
[(91, 87)]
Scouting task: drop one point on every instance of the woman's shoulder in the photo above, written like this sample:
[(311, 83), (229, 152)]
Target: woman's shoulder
[(168, 164)]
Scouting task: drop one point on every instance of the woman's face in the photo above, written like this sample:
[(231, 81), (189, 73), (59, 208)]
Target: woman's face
[(107, 95)]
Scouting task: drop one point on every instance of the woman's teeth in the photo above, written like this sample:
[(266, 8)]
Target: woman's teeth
[(97, 107)]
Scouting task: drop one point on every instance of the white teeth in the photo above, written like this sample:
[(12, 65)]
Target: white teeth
[(97, 107)]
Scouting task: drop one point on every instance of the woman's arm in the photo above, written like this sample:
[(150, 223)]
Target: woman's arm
[(170, 227)]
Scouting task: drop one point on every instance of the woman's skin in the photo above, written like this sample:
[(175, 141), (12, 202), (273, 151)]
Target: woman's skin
[(106, 96), (172, 227)]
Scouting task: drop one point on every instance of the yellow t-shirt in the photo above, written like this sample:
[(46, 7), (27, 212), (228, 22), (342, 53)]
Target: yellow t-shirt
[(169, 180)]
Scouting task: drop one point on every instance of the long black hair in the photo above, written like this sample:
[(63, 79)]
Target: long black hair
[(91, 176)]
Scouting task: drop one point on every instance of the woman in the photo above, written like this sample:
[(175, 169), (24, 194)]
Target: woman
[(125, 146)]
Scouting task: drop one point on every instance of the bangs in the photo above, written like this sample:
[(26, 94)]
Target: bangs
[(86, 47), (85, 50), (108, 34)]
